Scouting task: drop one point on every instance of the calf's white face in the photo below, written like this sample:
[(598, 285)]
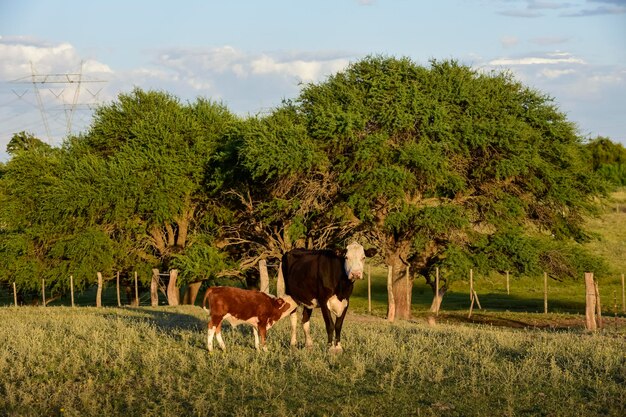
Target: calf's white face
[(354, 261)]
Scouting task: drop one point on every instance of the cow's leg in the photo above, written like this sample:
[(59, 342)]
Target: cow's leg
[(306, 326), (328, 321), (294, 324), (338, 325), (209, 338), (214, 326), (218, 336), (256, 337)]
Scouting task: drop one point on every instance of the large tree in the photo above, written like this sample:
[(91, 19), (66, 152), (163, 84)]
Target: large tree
[(154, 154), (441, 162), (127, 194), (280, 189)]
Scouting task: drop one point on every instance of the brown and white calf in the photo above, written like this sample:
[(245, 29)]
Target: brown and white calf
[(238, 306)]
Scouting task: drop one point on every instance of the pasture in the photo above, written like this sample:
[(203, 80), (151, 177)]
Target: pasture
[(510, 359), (153, 362)]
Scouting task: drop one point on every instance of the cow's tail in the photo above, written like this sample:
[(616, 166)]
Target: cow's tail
[(206, 305)]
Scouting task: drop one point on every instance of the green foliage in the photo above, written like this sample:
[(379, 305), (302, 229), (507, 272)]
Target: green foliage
[(445, 156), (24, 141), (608, 159), (81, 255), (201, 261), (438, 165), (121, 197), (277, 146)]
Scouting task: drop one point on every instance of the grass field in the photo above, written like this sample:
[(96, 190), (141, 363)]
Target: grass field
[(509, 359), (153, 362)]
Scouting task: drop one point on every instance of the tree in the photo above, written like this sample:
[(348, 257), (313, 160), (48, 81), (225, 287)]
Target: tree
[(280, 190), (440, 162), (608, 159), (127, 194), (145, 160)]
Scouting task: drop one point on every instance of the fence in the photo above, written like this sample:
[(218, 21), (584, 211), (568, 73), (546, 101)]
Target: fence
[(169, 293)]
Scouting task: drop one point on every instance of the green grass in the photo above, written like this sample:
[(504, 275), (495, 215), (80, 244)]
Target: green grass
[(509, 359), (142, 362)]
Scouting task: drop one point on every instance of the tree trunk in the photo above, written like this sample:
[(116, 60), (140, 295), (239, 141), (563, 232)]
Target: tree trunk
[(400, 282), (192, 293), (391, 303), (401, 285), (402, 289), (436, 304), (99, 291), (280, 281), (264, 283)]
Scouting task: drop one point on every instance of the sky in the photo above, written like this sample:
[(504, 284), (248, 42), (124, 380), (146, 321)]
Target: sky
[(60, 59)]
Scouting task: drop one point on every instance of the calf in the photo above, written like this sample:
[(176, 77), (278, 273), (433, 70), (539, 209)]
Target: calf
[(237, 306)]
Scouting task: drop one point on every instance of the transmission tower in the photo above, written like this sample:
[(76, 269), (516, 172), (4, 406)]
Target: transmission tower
[(64, 81)]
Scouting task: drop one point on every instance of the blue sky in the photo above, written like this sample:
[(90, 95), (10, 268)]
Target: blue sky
[(251, 54)]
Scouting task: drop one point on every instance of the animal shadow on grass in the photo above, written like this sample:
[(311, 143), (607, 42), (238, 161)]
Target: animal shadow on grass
[(175, 324)]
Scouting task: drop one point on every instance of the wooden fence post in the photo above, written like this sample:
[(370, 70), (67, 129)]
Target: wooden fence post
[(507, 283), (117, 284), (173, 293), (437, 291), (14, 294), (99, 292), (545, 293), (598, 305), (408, 289), (72, 289), (136, 289), (623, 296), (154, 286), (590, 302), (471, 291), (264, 284), (369, 288), (43, 291), (391, 309)]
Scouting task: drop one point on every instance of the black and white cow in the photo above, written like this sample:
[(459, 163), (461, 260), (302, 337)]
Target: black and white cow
[(324, 279)]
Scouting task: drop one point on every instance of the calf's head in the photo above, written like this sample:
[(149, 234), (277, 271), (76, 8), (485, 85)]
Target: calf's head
[(354, 258), (285, 305)]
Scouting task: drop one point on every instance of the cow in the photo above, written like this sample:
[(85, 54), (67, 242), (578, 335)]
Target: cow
[(324, 279), (238, 306)]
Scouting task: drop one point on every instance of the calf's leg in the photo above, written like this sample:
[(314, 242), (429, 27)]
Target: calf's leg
[(214, 329)]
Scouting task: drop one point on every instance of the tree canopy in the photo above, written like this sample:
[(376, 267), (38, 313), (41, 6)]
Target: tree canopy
[(437, 166)]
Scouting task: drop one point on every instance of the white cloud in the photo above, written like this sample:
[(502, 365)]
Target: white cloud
[(548, 59), (247, 83), (555, 73)]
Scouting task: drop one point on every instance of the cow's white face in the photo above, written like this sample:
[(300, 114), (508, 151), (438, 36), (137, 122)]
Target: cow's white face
[(354, 261)]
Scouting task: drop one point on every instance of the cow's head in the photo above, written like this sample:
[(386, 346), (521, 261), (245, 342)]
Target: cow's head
[(354, 257)]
